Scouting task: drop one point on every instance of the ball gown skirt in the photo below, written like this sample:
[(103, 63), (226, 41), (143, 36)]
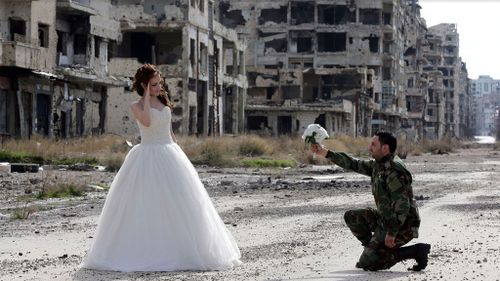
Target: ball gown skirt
[(158, 215)]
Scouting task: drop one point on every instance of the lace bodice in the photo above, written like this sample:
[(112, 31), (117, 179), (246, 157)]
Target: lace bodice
[(159, 130)]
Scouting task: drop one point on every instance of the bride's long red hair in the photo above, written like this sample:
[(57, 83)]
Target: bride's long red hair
[(143, 75)]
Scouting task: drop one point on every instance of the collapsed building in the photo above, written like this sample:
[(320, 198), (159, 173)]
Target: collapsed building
[(66, 66)]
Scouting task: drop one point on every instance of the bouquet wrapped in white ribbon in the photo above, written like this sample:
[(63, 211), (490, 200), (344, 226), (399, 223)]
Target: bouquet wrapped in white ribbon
[(315, 134)]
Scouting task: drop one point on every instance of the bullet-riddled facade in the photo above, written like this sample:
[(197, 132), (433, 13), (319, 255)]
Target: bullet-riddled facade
[(66, 66), (335, 63), (53, 67), (201, 59)]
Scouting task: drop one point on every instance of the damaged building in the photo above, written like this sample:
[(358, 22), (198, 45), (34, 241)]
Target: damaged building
[(449, 107), (335, 63), (66, 66), (53, 70), (353, 66), (203, 62)]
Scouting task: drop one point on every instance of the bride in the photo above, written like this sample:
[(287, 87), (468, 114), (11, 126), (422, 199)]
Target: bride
[(158, 215)]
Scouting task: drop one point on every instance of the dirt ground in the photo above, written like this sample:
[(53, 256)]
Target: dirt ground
[(288, 222)]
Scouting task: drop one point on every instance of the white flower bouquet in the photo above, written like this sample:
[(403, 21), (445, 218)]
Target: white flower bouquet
[(315, 134)]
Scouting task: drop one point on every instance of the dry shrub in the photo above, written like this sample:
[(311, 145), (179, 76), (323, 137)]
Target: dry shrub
[(442, 146), (63, 148), (252, 145)]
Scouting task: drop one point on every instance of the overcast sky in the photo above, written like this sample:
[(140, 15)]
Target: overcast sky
[(478, 25)]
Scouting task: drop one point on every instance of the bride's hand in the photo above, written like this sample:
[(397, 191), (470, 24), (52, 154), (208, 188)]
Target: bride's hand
[(147, 92)]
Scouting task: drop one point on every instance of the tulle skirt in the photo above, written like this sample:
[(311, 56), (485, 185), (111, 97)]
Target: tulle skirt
[(159, 217)]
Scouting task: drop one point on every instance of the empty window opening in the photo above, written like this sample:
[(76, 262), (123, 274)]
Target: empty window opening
[(278, 45), (304, 44), (257, 122), (201, 5), (321, 120), (332, 42), (231, 18), (169, 49), (302, 12), (192, 52), (270, 92), (284, 125), (80, 44), (373, 43), (203, 57), (334, 15), (43, 35), (369, 16), (291, 92), (62, 42), (273, 15), (142, 47), (17, 29), (97, 46)]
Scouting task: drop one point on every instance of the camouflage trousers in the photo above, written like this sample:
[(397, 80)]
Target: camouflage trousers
[(365, 225)]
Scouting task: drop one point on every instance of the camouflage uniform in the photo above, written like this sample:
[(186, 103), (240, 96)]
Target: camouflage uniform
[(396, 212)]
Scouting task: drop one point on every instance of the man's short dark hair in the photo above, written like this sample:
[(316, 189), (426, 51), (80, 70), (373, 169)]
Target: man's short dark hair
[(389, 139)]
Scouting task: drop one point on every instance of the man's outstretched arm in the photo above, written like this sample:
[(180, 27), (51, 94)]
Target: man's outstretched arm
[(345, 161)]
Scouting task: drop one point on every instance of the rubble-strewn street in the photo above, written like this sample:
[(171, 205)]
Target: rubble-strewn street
[(288, 223)]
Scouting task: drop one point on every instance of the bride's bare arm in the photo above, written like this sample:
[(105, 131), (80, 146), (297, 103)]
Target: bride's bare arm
[(143, 114)]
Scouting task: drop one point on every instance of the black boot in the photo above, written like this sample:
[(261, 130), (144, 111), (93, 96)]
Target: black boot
[(419, 252)]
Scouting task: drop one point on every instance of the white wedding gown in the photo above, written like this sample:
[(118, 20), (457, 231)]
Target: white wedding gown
[(158, 215)]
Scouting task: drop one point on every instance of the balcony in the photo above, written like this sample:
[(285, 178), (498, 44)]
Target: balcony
[(77, 7), (21, 55)]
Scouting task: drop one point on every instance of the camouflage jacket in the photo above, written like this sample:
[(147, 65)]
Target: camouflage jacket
[(391, 188)]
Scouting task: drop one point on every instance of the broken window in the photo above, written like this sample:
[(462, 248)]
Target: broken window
[(369, 16), (304, 44), (203, 57), (43, 35), (291, 92), (449, 61), (284, 125), (386, 73), (273, 15), (430, 112), (62, 42), (229, 60), (411, 83), (332, 42), (142, 47), (270, 92), (17, 30), (97, 46), (257, 122), (241, 62), (231, 18), (80, 44), (387, 18), (302, 12), (373, 42), (169, 47), (192, 52), (201, 5), (328, 14), (275, 42)]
